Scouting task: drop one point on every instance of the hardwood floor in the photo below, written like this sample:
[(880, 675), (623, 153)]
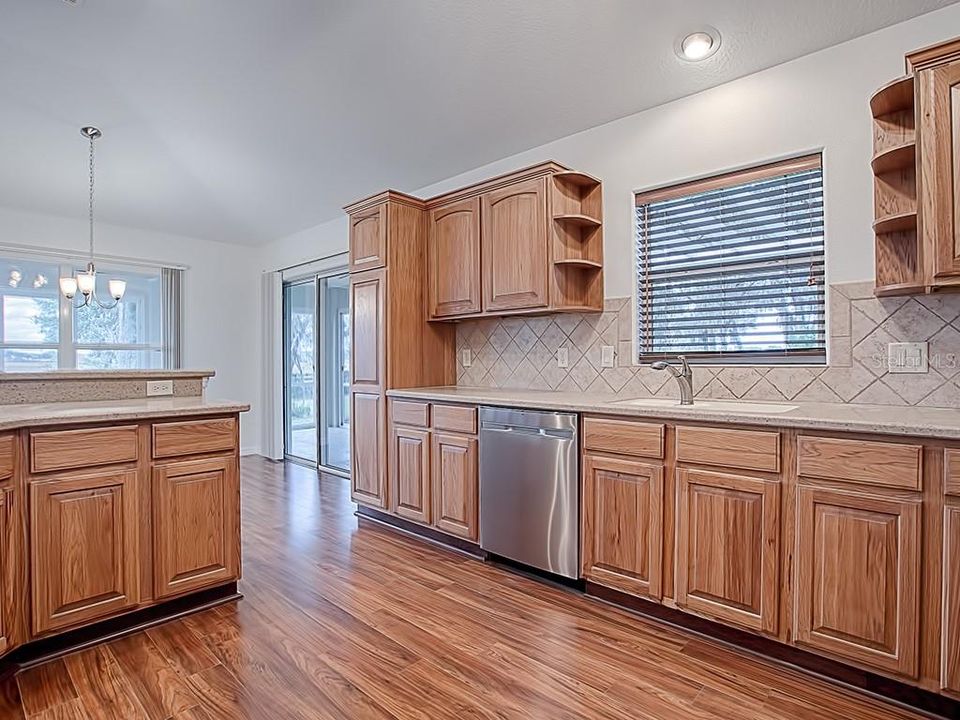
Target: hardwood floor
[(341, 621)]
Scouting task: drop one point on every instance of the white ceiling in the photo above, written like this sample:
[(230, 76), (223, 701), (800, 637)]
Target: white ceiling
[(245, 121)]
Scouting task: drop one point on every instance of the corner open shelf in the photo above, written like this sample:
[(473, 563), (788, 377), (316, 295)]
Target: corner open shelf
[(578, 219), (576, 204)]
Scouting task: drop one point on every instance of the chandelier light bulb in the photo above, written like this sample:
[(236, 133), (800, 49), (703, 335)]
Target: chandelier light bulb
[(87, 281), (68, 286), (117, 288)]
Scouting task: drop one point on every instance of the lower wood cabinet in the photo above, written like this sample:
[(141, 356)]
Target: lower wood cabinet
[(858, 573), (455, 484), (368, 481), (728, 547), (622, 524), (950, 658), (196, 509), (84, 548), (410, 474), (5, 619)]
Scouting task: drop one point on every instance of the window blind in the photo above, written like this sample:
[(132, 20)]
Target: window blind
[(732, 267)]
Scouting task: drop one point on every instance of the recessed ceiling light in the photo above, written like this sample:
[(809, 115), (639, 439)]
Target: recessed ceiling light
[(698, 45)]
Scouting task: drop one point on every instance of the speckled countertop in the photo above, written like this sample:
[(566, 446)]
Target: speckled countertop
[(58, 413), (929, 422)]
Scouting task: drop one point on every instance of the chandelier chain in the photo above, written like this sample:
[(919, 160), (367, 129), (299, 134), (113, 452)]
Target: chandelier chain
[(91, 199)]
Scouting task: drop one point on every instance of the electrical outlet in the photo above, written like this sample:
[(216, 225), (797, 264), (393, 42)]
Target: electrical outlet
[(466, 357), (606, 356), (563, 357), (159, 387), (907, 357)]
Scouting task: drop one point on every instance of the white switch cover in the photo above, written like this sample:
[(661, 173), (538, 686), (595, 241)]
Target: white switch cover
[(159, 387), (563, 357), (466, 357), (907, 357), (606, 356)]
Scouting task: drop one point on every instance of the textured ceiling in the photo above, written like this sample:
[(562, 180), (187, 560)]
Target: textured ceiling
[(245, 121)]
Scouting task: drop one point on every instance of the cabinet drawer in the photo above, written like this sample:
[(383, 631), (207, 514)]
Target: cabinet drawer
[(951, 471), (191, 437), (455, 418), (624, 437), (86, 447), (726, 447), (6, 455), (858, 461), (409, 412)]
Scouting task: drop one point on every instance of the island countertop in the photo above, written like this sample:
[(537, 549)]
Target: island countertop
[(943, 423)]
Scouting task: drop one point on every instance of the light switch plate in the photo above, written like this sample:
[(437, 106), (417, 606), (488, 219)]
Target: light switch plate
[(563, 357), (606, 356), (909, 357), (159, 387), (466, 357)]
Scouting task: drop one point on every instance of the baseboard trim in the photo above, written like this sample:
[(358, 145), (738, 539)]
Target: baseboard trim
[(421, 532)]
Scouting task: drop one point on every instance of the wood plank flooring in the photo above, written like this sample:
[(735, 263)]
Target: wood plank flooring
[(341, 621)]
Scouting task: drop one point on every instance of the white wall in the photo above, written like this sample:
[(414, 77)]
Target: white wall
[(221, 297), (816, 102)]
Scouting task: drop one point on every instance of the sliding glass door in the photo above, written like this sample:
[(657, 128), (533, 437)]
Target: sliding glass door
[(316, 342)]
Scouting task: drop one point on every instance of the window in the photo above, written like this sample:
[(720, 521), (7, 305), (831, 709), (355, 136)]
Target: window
[(41, 330), (731, 268)]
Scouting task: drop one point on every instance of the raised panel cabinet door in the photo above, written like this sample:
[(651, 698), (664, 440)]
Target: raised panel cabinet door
[(5, 619), (857, 582), (453, 259), (367, 327), (453, 465), (728, 548), (622, 524), (410, 472), (368, 481), (84, 553), (196, 525), (950, 653), (513, 245), (940, 168), (368, 238)]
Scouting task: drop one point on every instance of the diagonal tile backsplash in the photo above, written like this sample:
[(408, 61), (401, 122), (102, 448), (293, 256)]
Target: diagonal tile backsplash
[(521, 353)]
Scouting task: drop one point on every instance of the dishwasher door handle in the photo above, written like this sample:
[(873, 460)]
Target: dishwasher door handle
[(521, 430)]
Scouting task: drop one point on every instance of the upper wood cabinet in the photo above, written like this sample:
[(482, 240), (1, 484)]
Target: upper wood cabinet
[(367, 329), (453, 259), (84, 548), (368, 238), (514, 246)]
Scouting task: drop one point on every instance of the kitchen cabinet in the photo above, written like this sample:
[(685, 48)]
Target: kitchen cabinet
[(455, 484), (5, 560), (367, 328), (196, 509), (368, 479), (622, 524), (728, 547), (453, 259), (857, 577), (368, 238), (410, 470), (514, 246), (84, 548), (950, 647)]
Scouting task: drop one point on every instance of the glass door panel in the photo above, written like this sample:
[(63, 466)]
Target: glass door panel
[(334, 312), (299, 381)]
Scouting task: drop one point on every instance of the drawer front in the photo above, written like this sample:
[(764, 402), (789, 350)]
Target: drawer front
[(951, 470), (624, 437), (86, 447), (191, 437), (455, 418), (894, 465), (6, 455), (409, 412), (726, 447)]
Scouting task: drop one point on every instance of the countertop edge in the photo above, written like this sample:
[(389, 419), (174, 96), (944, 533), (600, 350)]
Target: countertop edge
[(80, 375), (75, 415)]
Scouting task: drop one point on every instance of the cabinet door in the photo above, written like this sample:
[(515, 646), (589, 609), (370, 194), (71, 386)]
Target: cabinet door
[(728, 550), (622, 518), (454, 469), (368, 239), (453, 257), (196, 508), (84, 550), (410, 473), (940, 168), (367, 433), (514, 246), (367, 323), (5, 610), (950, 658), (857, 583)]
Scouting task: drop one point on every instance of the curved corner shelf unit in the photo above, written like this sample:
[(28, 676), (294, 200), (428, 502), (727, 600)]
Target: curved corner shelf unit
[(580, 220), (896, 96), (899, 222), (897, 157), (580, 263)]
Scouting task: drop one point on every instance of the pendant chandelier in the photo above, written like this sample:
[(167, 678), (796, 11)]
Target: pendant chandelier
[(86, 281)]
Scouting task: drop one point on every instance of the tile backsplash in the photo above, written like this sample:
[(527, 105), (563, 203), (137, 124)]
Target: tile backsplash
[(521, 353)]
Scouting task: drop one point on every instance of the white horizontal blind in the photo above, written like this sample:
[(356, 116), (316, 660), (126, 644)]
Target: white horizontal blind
[(733, 268)]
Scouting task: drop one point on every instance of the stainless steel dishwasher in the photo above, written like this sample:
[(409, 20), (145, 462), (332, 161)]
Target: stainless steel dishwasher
[(529, 488)]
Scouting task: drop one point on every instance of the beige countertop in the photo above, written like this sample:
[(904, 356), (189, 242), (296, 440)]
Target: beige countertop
[(59, 413), (104, 375), (930, 422)]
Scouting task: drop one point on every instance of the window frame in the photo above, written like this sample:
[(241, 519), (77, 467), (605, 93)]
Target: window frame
[(817, 358)]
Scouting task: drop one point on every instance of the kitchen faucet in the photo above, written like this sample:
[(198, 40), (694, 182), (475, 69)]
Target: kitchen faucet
[(684, 377)]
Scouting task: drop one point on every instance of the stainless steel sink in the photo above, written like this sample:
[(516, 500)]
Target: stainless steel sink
[(718, 405)]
